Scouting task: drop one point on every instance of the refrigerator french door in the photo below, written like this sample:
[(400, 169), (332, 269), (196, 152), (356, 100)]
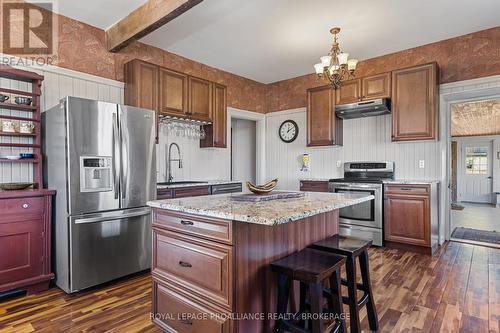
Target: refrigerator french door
[(102, 228)]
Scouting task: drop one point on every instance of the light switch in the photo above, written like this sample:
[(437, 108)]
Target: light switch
[(421, 164), (339, 164)]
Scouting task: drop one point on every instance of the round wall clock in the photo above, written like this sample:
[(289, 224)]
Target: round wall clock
[(289, 130)]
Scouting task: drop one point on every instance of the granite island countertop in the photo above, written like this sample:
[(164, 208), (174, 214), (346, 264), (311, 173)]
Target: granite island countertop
[(265, 213), (198, 183)]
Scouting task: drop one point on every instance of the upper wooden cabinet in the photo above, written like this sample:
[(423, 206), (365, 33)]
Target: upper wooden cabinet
[(173, 93), (377, 86), (349, 92), (141, 84), (200, 98), (414, 103), (178, 95), (323, 127), (216, 133), (366, 88)]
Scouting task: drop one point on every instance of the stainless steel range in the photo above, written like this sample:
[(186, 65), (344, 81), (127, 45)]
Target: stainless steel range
[(364, 220)]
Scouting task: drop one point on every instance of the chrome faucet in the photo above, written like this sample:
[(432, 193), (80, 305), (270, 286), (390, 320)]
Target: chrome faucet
[(170, 160)]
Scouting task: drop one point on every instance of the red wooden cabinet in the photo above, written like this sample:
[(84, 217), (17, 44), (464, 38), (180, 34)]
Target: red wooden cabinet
[(25, 240)]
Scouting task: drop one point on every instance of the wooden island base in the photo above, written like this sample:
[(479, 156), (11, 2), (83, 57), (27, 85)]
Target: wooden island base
[(205, 269)]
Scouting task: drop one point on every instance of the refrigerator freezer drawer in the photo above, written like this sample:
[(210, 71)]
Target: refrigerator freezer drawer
[(109, 245), (362, 232)]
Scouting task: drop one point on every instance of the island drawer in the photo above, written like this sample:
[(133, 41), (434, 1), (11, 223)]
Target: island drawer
[(209, 228), (174, 312), (407, 189), (203, 268)]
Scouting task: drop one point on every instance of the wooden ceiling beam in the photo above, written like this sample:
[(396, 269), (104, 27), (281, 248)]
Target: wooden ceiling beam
[(148, 17)]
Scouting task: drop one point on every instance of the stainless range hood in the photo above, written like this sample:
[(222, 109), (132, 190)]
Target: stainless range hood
[(376, 107)]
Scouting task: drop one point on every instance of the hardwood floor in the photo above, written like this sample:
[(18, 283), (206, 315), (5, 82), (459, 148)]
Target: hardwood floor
[(458, 289)]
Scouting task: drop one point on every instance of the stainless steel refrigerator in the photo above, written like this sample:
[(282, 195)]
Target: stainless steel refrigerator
[(100, 157)]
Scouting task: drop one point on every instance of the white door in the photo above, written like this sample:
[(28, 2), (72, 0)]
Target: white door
[(475, 172)]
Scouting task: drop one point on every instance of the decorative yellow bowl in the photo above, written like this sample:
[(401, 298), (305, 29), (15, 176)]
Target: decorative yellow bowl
[(262, 189)]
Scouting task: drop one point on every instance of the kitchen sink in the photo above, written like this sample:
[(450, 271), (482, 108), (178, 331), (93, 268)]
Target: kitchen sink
[(187, 182)]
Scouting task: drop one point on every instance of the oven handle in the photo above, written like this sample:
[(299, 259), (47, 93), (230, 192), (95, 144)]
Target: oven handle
[(357, 188)]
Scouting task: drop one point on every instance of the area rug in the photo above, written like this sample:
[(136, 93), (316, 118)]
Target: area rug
[(456, 206), (476, 235)]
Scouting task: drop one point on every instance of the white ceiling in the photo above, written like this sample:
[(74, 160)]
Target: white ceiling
[(99, 13), (271, 40)]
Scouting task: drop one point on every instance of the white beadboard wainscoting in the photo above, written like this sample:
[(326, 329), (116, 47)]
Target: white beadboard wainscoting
[(58, 83), (198, 163), (365, 139)]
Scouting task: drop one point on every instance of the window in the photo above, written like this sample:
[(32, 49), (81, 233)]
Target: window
[(476, 160)]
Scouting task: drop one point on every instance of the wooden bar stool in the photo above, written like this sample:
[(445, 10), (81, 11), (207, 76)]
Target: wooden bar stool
[(353, 248), (312, 268)]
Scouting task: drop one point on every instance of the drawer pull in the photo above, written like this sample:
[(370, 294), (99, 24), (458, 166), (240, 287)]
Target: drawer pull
[(26, 206), (185, 264), (406, 189), (185, 322), (183, 222)]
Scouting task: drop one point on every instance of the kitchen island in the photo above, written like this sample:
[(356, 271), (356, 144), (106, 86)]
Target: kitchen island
[(211, 256)]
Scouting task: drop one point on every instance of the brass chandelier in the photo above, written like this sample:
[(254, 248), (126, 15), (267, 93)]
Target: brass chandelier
[(336, 66)]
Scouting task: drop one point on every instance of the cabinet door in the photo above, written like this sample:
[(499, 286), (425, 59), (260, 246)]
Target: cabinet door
[(349, 92), (377, 86), (200, 99), (217, 132), (141, 84), (407, 219), (414, 103), (323, 128), (173, 93), (21, 248)]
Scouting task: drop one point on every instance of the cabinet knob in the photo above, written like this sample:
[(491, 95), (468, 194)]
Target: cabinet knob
[(25, 206)]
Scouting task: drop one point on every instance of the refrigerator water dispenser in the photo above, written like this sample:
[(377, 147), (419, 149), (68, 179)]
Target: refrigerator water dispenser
[(96, 174)]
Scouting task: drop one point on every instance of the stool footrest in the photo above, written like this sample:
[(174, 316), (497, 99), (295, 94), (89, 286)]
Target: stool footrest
[(361, 301), (358, 285), (295, 328)]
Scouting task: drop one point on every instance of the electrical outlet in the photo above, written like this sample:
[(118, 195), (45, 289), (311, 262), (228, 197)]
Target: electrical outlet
[(339, 164), (421, 164)]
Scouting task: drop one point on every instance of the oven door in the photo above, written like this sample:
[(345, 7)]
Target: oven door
[(367, 214)]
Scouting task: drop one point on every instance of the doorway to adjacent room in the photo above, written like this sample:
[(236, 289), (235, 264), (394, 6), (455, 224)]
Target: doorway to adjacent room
[(475, 171), (243, 150)]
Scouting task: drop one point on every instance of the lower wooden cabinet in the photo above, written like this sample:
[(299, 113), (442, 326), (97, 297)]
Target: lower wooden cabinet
[(25, 240), (314, 185), (202, 267), (409, 218), (174, 312)]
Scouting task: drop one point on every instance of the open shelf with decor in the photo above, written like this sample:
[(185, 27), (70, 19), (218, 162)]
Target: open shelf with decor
[(22, 123)]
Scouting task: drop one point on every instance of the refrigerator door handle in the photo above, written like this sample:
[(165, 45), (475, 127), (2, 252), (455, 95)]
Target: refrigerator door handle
[(124, 155), (108, 217), (116, 179)]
